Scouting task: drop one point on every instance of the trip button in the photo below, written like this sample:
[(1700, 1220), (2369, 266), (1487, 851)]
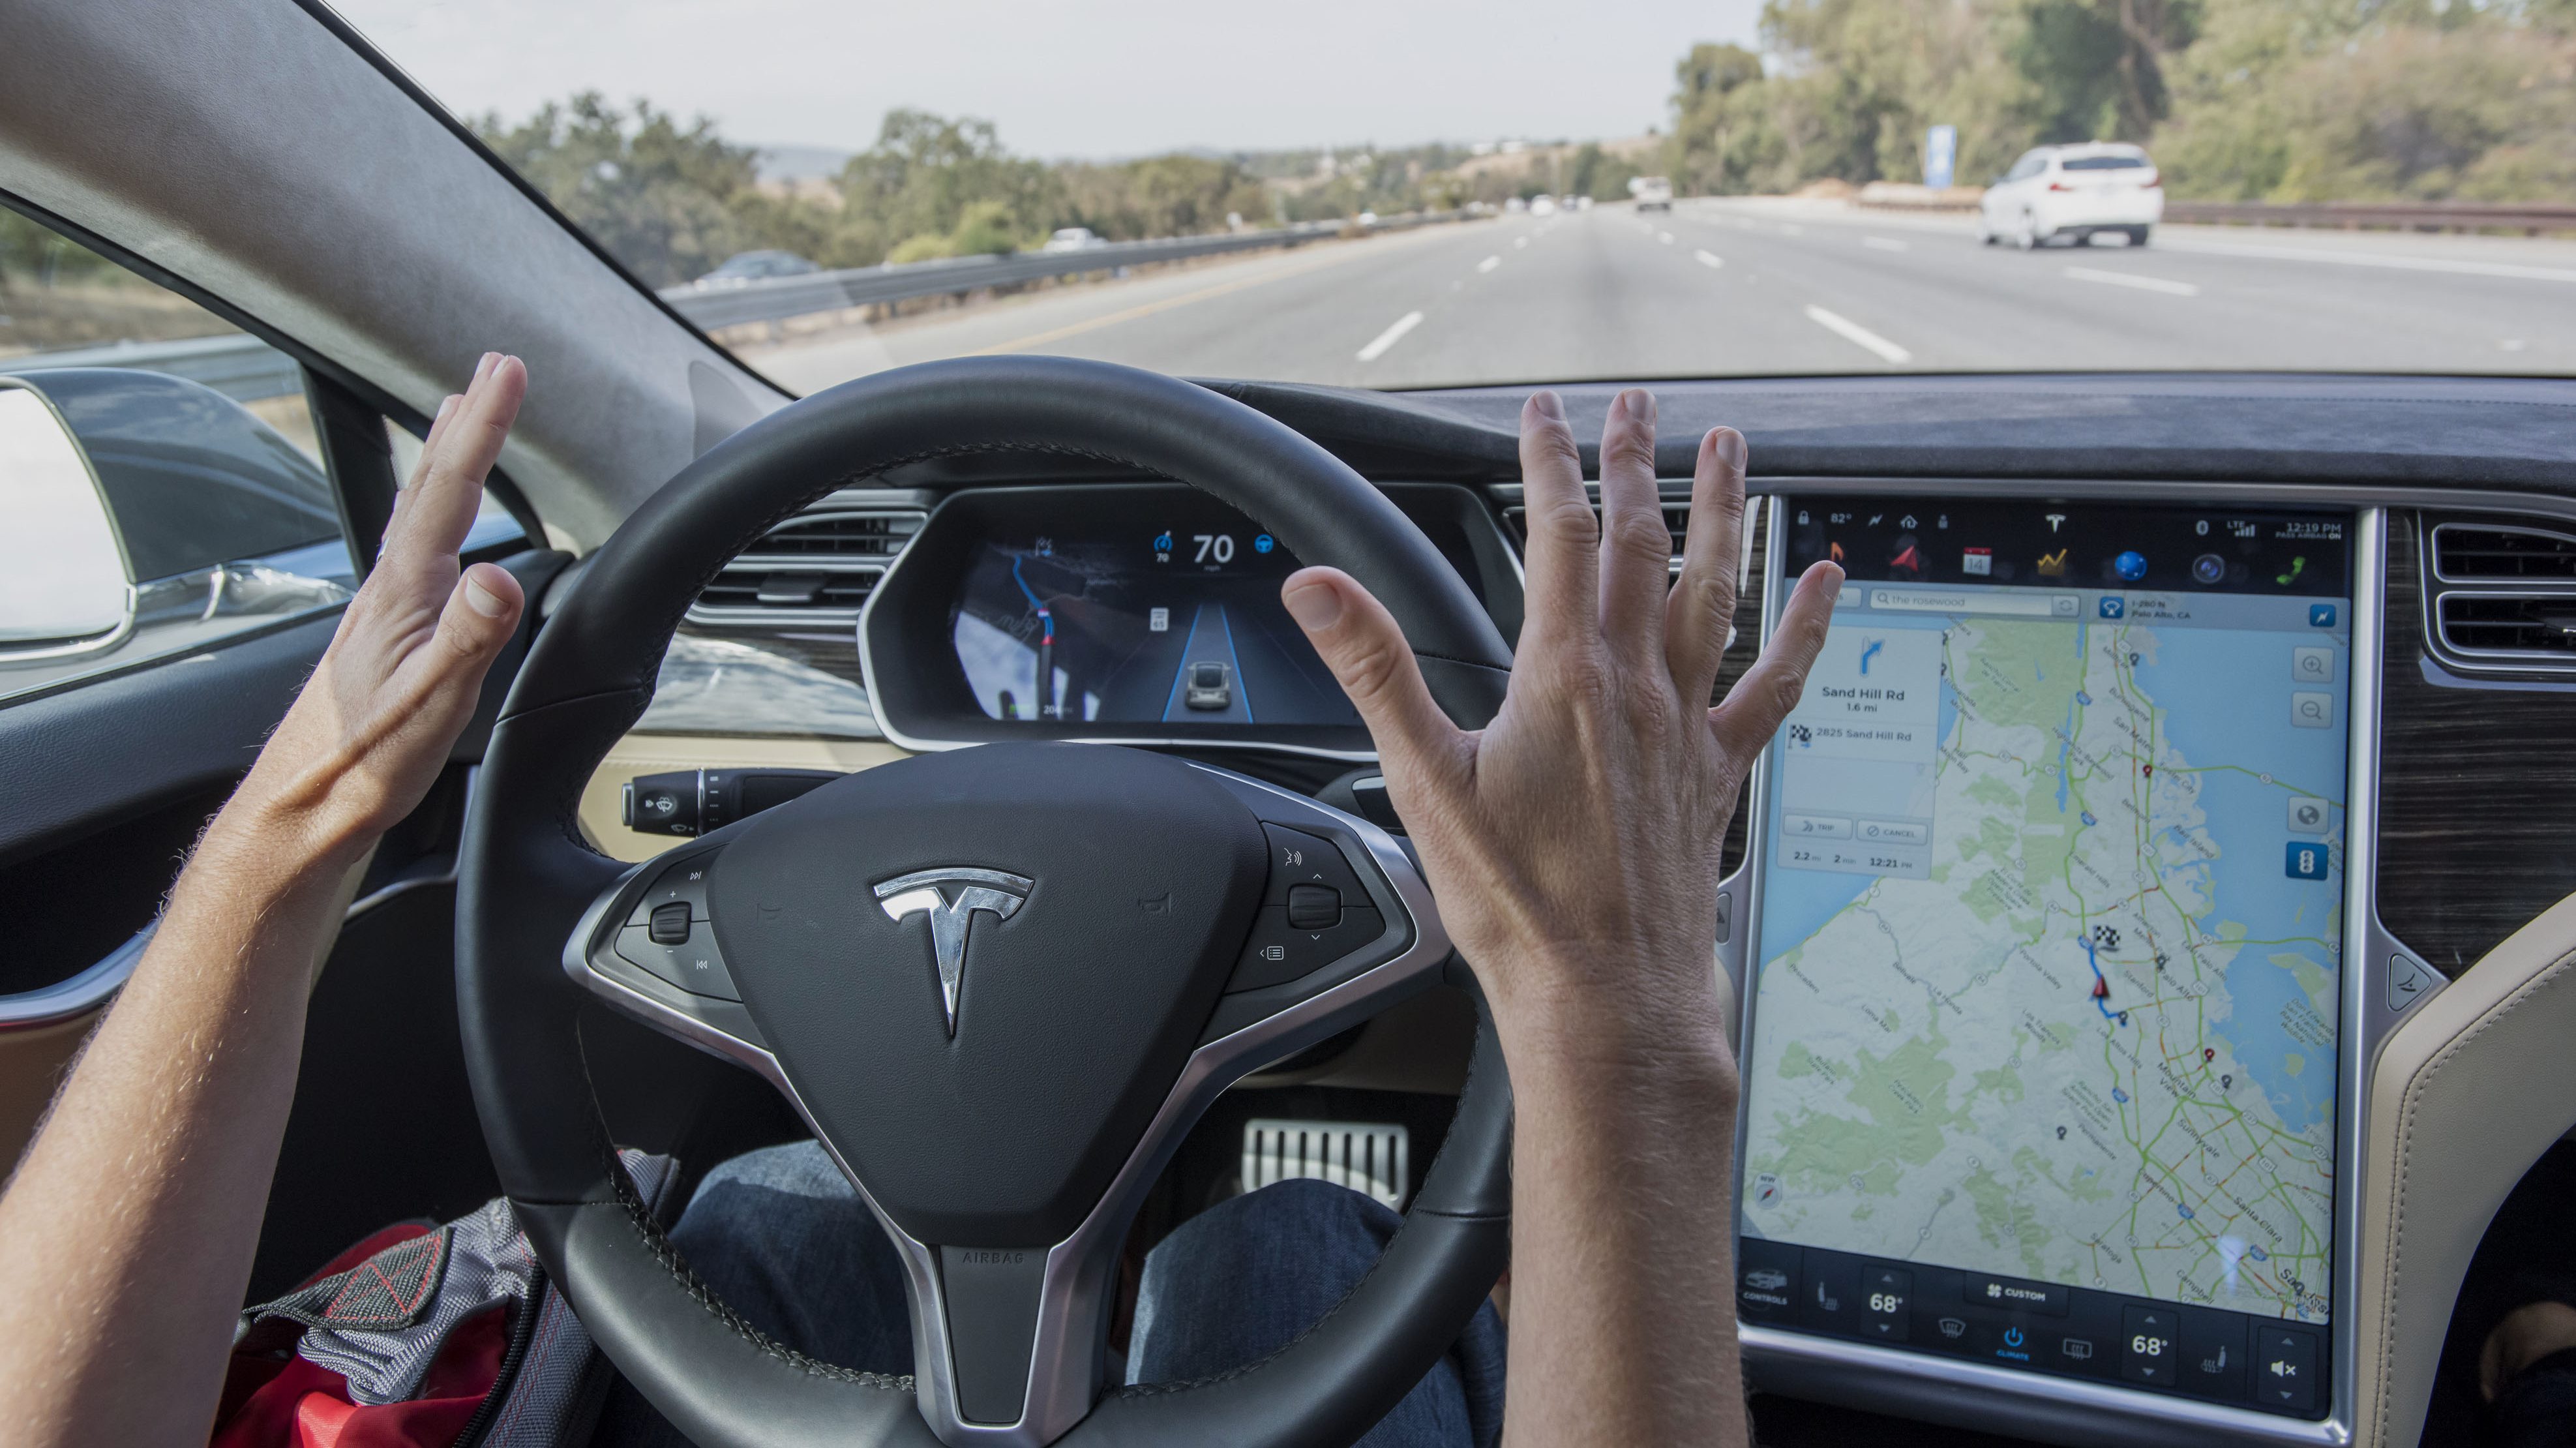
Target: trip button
[(694, 965), (1279, 951), (2285, 1369), (2148, 1349), (1298, 858)]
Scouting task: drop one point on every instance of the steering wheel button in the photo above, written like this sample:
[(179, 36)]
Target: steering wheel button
[(1298, 858), (683, 883), (1314, 907), (694, 966), (669, 924), (1281, 951)]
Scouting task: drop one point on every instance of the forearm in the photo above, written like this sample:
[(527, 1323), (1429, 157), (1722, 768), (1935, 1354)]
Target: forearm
[(1623, 1327), (127, 1233)]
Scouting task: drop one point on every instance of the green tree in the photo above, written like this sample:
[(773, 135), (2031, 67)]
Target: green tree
[(660, 196), (2295, 102), (923, 174)]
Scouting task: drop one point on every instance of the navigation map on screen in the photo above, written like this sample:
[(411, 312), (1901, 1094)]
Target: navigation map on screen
[(2051, 924)]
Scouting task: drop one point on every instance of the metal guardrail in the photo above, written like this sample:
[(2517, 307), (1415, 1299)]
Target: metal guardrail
[(778, 298), (2529, 217), (236, 364), (246, 369)]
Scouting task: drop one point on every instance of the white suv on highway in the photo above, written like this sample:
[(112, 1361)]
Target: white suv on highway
[(2073, 192)]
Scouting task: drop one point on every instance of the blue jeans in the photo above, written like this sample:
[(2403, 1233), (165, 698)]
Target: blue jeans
[(781, 1237)]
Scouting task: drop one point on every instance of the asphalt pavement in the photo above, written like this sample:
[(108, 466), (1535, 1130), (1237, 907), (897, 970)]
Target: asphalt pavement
[(1771, 287)]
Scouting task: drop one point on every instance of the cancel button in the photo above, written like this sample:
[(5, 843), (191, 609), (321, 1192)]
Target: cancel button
[(2012, 1294)]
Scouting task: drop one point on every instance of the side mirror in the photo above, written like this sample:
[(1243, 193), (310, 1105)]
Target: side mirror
[(147, 516), (65, 588)]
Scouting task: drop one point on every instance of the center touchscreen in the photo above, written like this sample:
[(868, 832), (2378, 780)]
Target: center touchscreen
[(2042, 1066)]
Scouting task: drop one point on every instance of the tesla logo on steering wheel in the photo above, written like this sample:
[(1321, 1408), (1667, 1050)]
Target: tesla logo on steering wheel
[(951, 897)]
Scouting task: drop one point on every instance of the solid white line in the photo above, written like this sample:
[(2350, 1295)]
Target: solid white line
[(1390, 336), (2377, 259), (1852, 331), (1709, 258), (2125, 279), (1884, 243), (1489, 263)]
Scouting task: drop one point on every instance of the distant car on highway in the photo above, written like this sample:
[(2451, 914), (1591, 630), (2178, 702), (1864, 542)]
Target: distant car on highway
[(1515, 204), (1653, 193), (1211, 686), (745, 267), (1542, 206), (1073, 238), (2073, 192)]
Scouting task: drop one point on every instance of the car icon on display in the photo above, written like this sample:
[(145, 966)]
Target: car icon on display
[(1211, 686), (1766, 1279)]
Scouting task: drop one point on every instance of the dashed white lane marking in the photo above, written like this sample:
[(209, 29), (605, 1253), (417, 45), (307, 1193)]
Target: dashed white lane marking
[(1665, 237), (2131, 279), (1489, 263), (1884, 243), (1392, 335), (1519, 241), (1851, 331), (1708, 258)]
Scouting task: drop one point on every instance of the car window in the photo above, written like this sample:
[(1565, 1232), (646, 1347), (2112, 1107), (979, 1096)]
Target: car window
[(151, 452), (493, 523), (1287, 209)]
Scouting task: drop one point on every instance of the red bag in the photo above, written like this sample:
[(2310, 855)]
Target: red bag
[(422, 1337)]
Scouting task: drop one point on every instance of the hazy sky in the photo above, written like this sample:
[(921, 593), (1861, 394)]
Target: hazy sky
[(1075, 79)]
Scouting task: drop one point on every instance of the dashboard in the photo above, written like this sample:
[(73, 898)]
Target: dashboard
[(1157, 606), (2122, 824), (1128, 612)]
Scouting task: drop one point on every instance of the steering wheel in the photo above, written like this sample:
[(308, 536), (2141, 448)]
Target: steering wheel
[(1000, 984)]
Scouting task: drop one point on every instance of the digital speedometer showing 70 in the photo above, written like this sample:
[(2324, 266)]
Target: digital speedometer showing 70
[(1206, 550), (1172, 618)]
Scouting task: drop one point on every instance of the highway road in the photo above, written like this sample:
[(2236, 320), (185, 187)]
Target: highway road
[(1756, 287)]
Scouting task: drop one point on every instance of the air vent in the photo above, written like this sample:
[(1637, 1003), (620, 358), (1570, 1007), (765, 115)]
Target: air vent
[(2503, 593), (1676, 522), (813, 571), (2496, 553), (2531, 629)]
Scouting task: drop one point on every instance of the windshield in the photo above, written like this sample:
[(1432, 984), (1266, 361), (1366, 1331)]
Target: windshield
[(1417, 195)]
